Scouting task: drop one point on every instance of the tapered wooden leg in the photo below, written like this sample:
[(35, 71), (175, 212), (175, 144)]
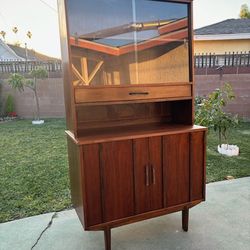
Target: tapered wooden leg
[(107, 238), (185, 214)]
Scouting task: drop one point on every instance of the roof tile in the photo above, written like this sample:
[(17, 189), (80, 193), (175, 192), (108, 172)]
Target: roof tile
[(229, 26)]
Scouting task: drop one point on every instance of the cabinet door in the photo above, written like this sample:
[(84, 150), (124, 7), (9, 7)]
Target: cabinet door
[(176, 169), (197, 168), (148, 174), (117, 180), (92, 184)]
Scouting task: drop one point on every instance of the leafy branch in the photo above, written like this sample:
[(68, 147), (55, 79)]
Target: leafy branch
[(210, 111), (19, 82)]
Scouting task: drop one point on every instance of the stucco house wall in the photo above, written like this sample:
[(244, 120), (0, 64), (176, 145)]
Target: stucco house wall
[(221, 46), (232, 35)]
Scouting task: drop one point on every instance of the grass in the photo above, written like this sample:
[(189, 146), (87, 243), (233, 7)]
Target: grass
[(34, 167), (219, 166)]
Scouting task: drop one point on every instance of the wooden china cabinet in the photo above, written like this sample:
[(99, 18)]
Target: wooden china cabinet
[(134, 151)]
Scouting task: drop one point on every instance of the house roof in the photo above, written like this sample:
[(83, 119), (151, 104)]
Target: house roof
[(229, 26), (6, 53), (31, 54)]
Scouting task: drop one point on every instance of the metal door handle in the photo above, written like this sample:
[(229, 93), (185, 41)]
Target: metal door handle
[(153, 173), (147, 175)]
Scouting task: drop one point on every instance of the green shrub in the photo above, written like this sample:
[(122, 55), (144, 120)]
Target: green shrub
[(1, 100), (1, 106), (210, 111), (9, 105), (18, 82)]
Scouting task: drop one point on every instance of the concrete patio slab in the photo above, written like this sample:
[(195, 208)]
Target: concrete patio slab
[(222, 222)]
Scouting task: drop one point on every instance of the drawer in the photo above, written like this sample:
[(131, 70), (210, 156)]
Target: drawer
[(128, 93)]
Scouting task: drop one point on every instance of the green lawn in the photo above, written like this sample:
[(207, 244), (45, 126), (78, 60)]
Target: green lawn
[(34, 168), (219, 166)]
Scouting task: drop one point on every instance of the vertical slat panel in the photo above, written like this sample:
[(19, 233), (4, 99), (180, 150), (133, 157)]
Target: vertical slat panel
[(75, 175), (197, 155), (141, 162), (176, 169), (148, 154), (117, 174), (155, 152), (92, 185)]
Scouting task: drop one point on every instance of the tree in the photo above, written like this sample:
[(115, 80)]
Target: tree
[(9, 106), (209, 112), (244, 12), (3, 34), (18, 82)]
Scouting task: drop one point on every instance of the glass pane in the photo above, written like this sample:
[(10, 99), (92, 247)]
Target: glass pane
[(98, 28), (162, 48), (122, 42)]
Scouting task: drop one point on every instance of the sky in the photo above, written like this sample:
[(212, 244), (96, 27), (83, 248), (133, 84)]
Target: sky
[(41, 19)]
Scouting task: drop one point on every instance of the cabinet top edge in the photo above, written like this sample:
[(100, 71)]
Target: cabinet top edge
[(108, 135), (128, 86)]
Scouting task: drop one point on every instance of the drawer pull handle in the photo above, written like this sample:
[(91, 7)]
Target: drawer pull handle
[(138, 93)]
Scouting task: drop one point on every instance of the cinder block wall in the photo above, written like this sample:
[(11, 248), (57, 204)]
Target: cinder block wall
[(240, 84), (51, 96), (51, 99)]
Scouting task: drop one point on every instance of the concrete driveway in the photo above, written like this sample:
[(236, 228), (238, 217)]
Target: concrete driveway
[(222, 222)]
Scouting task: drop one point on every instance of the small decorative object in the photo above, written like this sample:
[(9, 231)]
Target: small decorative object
[(229, 150), (37, 122), (229, 177)]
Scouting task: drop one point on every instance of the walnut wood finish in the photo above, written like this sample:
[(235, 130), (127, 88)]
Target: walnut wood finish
[(130, 93), (117, 179), (107, 238), (134, 153), (148, 174), (185, 215), (92, 193), (176, 168), (182, 112), (75, 175), (197, 154), (155, 157), (65, 51), (147, 152), (103, 116), (131, 132), (134, 114)]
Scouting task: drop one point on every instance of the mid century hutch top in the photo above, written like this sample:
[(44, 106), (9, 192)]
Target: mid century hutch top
[(134, 151)]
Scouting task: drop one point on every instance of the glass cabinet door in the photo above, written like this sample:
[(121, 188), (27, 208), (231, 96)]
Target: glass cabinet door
[(128, 42)]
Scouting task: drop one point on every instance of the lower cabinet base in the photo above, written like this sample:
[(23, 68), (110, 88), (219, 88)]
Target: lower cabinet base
[(107, 238), (148, 215), (114, 183), (106, 227), (185, 217), (107, 230)]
